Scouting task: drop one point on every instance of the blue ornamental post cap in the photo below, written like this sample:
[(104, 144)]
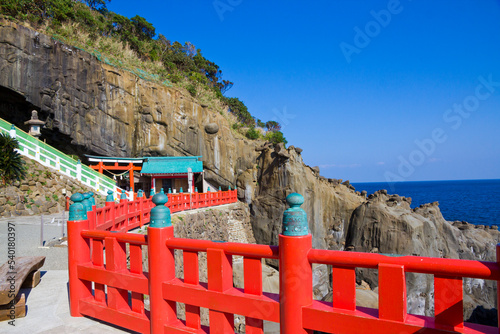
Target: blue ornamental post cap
[(139, 193), (123, 195), (92, 199), (295, 218), (169, 190), (208, 189), (160, 214), (110, 198), (12, 127), (181, 191), (220, 189), (77, 211), (86, 202), (161, 191), (152, 192), (229, 188), (195, 189)]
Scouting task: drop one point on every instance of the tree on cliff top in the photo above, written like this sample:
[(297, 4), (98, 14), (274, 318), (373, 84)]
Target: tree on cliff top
[(99, 5), (11, 164), (273, 126)]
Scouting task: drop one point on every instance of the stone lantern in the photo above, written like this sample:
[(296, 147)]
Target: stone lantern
[(35, 124)]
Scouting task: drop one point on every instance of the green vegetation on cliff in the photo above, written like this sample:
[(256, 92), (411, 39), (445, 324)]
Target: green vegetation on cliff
[(133, 44)]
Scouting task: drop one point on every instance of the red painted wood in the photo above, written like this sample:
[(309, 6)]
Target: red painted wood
[(420, 264), (78, 252), (121, 280), (161, 263), (344, 288), (392, 292), (136, 268), (116, 260), (98, 261), (265, 307), (448, 302), (498, 283), (231, 248), (320, 317), (126, 319), (252, 273), (295, 282), (191, 276), (220, 279)]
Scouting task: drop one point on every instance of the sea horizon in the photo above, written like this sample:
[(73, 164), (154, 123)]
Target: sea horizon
[(474, 200), (364, 182)]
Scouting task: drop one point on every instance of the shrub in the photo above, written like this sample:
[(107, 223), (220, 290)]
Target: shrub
[(191, 89), (252, 133), (276, 137)]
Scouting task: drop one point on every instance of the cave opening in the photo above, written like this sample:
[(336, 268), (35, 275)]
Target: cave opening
[(15, 109)]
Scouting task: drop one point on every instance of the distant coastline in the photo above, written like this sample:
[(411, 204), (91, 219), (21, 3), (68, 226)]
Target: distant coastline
[(474, 201)]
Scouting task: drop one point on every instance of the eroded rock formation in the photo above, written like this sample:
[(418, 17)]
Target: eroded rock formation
[(387, 224)]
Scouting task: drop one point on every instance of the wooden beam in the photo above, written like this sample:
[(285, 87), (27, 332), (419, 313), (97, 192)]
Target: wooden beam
[(15, 274), (19, 309), (32, 279)]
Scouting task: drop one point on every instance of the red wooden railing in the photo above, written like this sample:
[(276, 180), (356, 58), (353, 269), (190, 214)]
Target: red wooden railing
[(127, 215), (105, 286)]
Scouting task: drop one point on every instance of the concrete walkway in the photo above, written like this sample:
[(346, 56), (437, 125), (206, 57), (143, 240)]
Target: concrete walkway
[(48, 311), (47, 304)]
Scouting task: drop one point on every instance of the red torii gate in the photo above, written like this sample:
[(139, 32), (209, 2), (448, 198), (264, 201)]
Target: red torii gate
[(100, 167)]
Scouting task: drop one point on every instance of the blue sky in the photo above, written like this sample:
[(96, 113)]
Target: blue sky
[(371, 90)]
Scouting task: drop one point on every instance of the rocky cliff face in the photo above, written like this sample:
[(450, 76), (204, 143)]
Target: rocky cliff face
[(279, 172), (104, 110)]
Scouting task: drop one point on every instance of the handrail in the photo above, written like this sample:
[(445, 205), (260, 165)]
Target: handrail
[(230, 248), (417, 264), (131, 238), (108, 281), (51, 157)]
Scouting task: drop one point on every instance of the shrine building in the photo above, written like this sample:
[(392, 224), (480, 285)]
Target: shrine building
[(180, 174)]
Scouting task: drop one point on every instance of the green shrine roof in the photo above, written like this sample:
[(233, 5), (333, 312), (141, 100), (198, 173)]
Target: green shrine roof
[(171, 165)]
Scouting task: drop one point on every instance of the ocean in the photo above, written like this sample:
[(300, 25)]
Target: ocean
[(473, 201)]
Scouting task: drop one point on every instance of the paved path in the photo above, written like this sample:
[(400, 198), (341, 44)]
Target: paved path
[(48, 311), (47, 304)]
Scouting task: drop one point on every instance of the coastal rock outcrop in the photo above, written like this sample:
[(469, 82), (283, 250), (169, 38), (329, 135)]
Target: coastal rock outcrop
[(386, 224), (279, 172)]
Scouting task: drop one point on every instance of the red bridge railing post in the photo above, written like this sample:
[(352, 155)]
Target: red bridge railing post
[(295, 270), (110, 203), (161, 265), (78, 252), (498, 289)]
